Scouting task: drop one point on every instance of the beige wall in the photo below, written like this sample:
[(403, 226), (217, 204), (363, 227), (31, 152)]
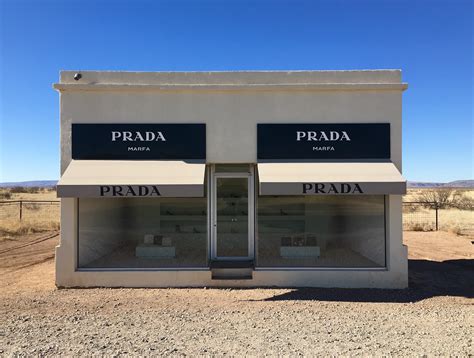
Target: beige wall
[(232, 109), (231, 104)]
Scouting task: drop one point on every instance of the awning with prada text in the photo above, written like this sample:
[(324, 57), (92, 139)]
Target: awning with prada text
[(330, 179), (121, 178)]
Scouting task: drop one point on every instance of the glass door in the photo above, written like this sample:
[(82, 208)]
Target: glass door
[(232, 218)]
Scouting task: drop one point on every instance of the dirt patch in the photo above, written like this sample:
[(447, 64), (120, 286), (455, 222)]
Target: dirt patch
[(433, 317), (28, 250), (438, 246)]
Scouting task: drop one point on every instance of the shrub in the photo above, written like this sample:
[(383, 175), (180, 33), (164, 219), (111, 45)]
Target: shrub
[(455, 229), (21, 228), (436, 198), (5, 195), (18, 189), (23, 189), (463, 202), (408, 209), (418, 227), (445, 198), (32, 206)]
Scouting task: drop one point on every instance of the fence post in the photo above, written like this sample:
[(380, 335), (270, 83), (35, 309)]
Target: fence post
[(21, 209), (436, 217)]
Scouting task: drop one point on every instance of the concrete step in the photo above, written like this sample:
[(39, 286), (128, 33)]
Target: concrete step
[(232, 270), (232, 274), (232, 264)]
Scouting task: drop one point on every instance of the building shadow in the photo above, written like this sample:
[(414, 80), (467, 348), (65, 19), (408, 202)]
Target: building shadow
[(426, 279)]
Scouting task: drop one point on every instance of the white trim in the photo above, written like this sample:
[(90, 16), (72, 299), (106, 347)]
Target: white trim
[(111, 87), (134, 269), (279, 268)]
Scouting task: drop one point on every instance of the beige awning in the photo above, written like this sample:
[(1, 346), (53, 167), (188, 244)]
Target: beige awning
[(119, 178), (330, 179)]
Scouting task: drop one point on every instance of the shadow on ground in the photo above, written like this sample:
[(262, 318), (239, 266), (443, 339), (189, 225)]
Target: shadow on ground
[(426, 279)]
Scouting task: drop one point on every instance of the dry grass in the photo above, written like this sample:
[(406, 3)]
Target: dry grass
[(17, 228), (45, 217), (36, 217), (456, 221), (45, 194), (419, 218), (414, 193)]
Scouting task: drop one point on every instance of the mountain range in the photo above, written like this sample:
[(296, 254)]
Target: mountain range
[(411, 184), (28, 184), (451, 184)]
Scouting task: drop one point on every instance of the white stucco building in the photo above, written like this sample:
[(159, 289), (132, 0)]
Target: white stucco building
[(173, 179)]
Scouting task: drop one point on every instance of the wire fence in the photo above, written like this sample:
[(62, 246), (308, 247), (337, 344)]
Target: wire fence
[(417, 216), (420, 216), (426, 216), (29, 211)]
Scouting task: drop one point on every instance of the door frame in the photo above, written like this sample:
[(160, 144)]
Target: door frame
[(250, 217)]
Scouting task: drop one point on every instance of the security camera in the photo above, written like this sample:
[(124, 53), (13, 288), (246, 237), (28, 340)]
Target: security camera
[(77, 76)]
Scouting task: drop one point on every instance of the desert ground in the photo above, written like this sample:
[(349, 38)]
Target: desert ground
[(434, 316)]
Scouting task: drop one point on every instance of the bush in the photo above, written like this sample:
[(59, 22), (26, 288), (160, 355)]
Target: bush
[(436, 198), (17, 228), (5, 195), (463, 202), (32, 206), (409, 209), (23, 189), (445, 198), (18, 189), (418, 227), (455, 229)]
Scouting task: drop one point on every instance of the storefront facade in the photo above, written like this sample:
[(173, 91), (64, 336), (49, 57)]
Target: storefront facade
[(243, 179)]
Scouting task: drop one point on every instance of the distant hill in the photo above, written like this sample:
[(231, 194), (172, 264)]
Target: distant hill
[(38, 183), (452, 184), (411, 184)]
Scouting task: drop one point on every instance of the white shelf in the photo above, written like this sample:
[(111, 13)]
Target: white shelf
[(181, 233), (183, 217), (281, 217)]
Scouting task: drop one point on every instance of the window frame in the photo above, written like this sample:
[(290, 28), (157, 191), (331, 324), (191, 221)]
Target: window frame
[(135, 269), (385, 267)]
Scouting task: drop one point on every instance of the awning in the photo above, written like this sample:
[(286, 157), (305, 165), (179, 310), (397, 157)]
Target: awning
[(330, 179), (118, 178)]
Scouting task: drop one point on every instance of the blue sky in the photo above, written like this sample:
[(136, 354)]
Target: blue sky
[(431, 41)]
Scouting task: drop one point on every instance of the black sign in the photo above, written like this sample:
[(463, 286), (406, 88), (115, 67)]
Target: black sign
[(323, 141), (139, 141)]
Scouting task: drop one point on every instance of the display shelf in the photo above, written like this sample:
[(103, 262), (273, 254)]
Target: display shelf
[(183, 217), (281, 218), (173, 234), (193, 207)]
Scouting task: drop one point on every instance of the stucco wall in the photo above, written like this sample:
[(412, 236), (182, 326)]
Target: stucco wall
[(232, 107), (231, 104)]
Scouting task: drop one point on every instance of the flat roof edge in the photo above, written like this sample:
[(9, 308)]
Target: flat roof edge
[(112, 87), (231, 77)]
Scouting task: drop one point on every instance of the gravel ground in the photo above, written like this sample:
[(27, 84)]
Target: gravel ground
[(434, 317)]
